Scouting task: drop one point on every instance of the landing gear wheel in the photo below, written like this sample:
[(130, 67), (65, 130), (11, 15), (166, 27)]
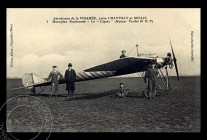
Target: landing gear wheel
[(146, 93), (158, 91)]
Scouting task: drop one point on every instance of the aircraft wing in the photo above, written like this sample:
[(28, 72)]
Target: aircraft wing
[(118, 67), (125, 65)]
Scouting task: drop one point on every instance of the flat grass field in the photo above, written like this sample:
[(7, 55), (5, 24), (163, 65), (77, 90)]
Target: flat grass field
[(95, 108)]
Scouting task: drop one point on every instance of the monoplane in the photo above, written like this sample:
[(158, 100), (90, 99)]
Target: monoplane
[(122, 66)]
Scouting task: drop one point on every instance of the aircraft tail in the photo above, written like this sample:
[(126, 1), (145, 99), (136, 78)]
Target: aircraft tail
[(30, 79), (27, 79)]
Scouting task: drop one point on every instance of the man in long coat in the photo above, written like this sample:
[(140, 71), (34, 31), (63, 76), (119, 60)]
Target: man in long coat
[(70, 77)]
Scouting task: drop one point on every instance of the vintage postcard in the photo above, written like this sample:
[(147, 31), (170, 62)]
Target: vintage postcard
[(103, 70)]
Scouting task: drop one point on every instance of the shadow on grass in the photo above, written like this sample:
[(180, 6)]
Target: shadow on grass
[(110, 93), (88, 96), (47, 95), (92, 95), (135, 95)]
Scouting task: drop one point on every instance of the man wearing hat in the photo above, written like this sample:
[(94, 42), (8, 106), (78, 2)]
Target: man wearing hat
[(150, 79), (54, 80), (70, 77), (123, 54)]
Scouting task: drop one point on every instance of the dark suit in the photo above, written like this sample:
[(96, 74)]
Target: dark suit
[(70, 77)]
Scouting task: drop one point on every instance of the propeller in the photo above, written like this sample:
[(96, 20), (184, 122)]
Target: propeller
[(174, 59)]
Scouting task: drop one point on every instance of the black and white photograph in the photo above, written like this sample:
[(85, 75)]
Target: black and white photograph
[(103, 70)]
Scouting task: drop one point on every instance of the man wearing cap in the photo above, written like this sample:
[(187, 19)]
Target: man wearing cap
[(150, 79), (70, 77), (123, 54), (54, 80)]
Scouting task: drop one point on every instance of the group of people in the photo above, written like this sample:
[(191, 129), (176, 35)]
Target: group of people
[(70, 77)]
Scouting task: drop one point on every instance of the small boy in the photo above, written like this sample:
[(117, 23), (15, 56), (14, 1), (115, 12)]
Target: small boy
[(121, 91)]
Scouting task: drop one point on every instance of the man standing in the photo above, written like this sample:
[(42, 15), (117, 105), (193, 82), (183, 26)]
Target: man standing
[(123, 54), (70, 77), (54, 80), (150, 79)]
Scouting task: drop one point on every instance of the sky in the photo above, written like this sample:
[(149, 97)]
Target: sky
[(37, 43)]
